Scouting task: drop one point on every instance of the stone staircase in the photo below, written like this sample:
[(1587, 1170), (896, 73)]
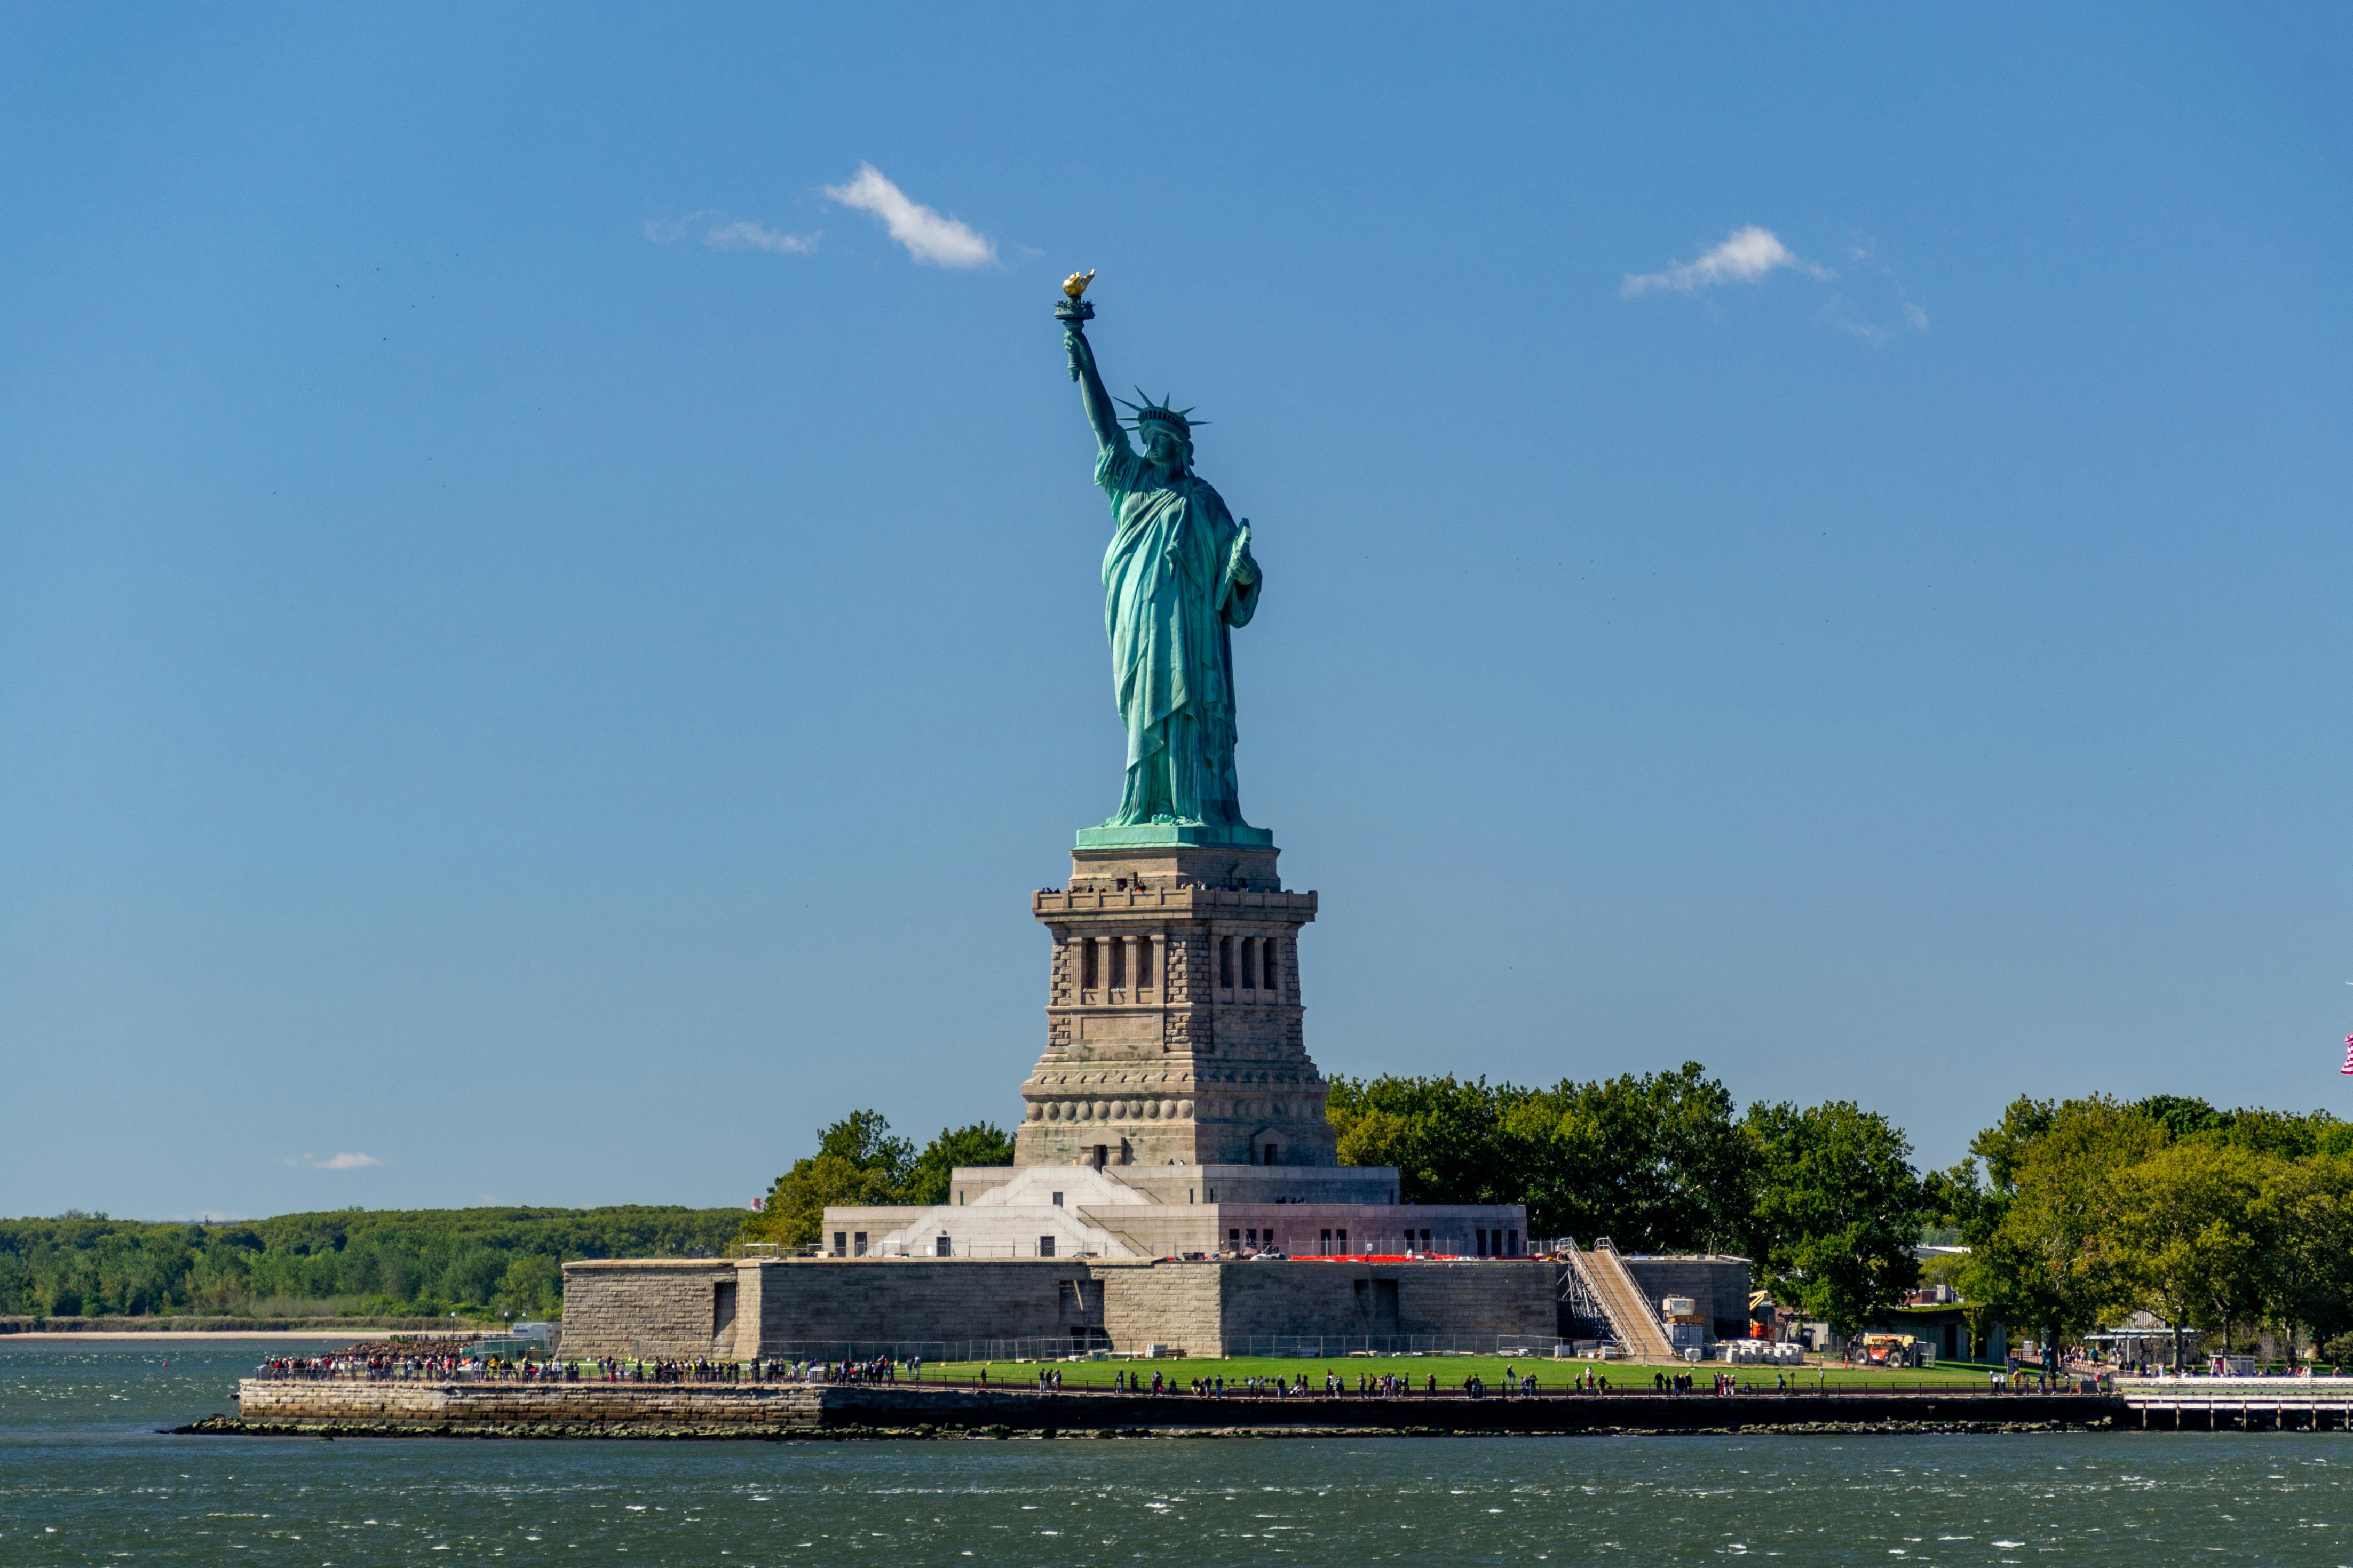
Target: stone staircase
[(1631, 1320)]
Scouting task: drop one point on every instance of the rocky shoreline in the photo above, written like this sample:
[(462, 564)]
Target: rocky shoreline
[(735, 1412)]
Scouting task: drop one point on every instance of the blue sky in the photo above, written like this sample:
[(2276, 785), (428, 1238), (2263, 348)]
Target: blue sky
[(543, 646)]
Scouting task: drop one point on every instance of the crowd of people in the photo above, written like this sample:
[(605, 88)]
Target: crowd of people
[(1724, 1384), (456, 1361), (1296, 1386), (380, 1367)]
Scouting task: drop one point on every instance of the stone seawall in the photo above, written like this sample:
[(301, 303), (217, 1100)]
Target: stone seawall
[(434, 1408), (425, 1405)]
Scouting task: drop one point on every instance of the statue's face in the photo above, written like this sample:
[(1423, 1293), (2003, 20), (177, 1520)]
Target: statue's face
[(1165, 447)]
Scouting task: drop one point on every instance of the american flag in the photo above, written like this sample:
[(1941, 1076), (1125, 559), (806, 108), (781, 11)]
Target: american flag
[(2348, 1056)]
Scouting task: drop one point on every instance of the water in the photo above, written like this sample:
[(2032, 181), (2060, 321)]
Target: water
[(84, 1478)]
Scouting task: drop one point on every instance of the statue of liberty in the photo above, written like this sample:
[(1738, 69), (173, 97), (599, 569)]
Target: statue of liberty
[(1177, 578)]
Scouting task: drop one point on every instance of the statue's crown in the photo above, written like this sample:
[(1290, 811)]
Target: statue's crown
[(1150, 412)]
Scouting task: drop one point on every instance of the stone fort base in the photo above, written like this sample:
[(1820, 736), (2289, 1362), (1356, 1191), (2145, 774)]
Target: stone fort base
[(830, 1309)]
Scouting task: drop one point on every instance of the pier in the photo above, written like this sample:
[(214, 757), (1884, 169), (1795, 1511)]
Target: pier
[(2239, 1403)]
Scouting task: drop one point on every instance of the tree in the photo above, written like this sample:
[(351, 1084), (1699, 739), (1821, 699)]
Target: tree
[(1657, 1162), (2284, 1134), (1836, 1209), (1443, 1135), (858, 1164), (2303, 1217), (982, 1143), (863, 1139), (2182, 1114), (2042, 1252), (2182, 1222)]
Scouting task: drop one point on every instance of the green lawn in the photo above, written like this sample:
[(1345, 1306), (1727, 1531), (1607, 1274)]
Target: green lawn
[(1449, 1371)]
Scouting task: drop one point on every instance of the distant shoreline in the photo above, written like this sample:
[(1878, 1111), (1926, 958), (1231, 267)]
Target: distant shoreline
[(228, 1325), (104, 1335)]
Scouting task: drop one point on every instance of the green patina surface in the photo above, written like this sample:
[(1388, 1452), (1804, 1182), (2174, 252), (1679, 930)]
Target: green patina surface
[(1173, 835), (1177, 578)]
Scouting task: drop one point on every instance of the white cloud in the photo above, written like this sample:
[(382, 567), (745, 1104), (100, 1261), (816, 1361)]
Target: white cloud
[(720, 234), (1915, 317), (927, 234), (1834, 314), (336, 1162), (1746, 255), (744, 235)]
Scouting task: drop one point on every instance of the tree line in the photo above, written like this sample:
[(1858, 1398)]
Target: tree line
[(1823, 1200), (2078, 1212), (357, 1262)]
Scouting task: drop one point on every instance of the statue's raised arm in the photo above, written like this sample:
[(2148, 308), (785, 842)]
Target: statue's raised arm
[(1100, 412), (1075, 313)]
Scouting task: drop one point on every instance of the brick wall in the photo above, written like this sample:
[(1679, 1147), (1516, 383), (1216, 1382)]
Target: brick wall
[(1176, 1304), (660, 1307), (1509, 1298), (817, 1301)]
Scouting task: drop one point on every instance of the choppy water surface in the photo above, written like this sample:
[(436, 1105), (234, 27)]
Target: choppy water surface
[(85, 1479)]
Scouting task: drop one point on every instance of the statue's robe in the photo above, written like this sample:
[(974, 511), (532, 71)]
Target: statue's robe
[(1171, 597)]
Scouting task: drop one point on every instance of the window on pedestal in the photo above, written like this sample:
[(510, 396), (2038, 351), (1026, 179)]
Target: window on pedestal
[(1146, 972), (1270, 979), (1226, 962), (1250, 962), (1270, 1154), (1118, 962), (1087, 963)]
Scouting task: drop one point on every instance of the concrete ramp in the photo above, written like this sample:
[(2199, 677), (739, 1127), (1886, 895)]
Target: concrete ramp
[(1631, 1318)]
